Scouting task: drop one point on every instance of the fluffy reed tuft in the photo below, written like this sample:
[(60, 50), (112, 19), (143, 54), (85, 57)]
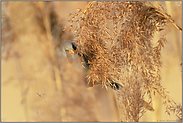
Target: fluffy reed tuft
[(117, 38)]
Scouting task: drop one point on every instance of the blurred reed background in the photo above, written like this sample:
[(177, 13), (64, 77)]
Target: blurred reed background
[(171, 72), (36, 85)]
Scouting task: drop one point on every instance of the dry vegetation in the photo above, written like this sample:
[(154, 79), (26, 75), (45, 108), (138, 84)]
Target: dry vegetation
[(122, 33), (116, 37)]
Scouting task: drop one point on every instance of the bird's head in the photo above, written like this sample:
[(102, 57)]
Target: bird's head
[(69, 46)]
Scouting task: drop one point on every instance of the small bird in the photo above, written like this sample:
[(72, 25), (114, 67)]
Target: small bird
[(69, 51)]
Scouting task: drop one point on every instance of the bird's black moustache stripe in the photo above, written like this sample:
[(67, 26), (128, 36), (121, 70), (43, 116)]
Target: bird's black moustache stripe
[(74, 46)]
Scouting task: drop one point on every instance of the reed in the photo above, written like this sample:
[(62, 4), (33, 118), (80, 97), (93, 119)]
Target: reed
[(117, 37)]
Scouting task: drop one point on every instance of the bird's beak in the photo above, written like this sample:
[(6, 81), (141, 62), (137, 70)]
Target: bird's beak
[(72, 51)]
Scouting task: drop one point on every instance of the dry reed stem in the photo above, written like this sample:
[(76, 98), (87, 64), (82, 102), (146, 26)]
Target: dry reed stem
[(166, 16)]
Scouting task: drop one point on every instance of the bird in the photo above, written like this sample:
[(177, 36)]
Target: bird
[(69, 52)]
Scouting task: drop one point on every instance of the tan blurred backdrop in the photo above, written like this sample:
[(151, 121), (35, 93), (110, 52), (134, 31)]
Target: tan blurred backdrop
[(17, 68)]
